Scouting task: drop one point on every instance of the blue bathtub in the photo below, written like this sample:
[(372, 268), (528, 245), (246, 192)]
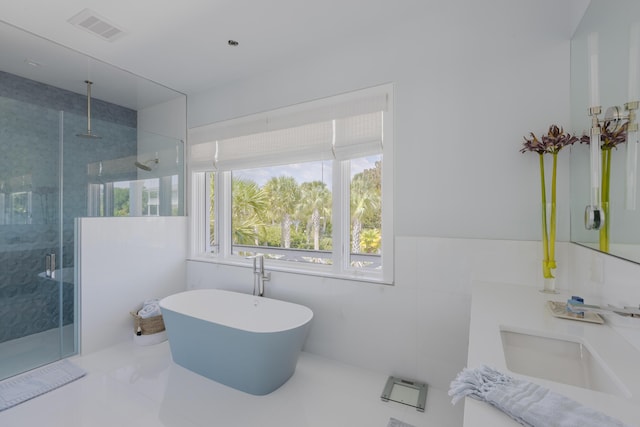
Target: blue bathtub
[(248, 343)]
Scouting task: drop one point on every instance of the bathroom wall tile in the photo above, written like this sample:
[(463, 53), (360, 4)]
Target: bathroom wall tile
[(409, 259), (382, 322), (418, 327), (123, 262), (444, 320), (30, 125), (36, 93)]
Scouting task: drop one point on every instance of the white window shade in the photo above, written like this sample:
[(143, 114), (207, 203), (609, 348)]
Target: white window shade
[(202, 156), (293, 145), (344, 126), (358, 136)]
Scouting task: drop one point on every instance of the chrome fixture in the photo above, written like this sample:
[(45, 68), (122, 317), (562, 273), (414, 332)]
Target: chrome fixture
[(89, 134), (145, 165), (576, 307), (259, 276), (593, 214), (615, 119), (50, 265)]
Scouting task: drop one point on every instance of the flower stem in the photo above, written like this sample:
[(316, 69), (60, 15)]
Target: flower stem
[(552, 232), (546, 270), (606, 179)]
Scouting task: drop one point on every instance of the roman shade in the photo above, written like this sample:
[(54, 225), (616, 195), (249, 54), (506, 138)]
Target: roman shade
[(340, 127)]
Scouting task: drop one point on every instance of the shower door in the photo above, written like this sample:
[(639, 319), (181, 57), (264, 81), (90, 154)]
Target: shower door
[(37, 292)]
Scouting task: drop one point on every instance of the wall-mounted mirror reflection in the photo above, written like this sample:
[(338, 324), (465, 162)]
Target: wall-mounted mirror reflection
[(615, 26)]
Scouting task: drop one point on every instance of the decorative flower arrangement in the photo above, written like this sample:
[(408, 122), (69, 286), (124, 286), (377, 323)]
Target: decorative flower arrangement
[(610, 137), (551, 143)]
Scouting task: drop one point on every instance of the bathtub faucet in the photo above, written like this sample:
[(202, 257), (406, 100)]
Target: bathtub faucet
[(259, 276)]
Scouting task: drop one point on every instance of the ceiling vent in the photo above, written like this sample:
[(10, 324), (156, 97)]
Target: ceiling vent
[(90, 21)]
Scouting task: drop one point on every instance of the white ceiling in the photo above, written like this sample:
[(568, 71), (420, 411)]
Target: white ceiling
[(183, 44)]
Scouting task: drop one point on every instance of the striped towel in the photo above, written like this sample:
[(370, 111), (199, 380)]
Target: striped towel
[(526, 402)]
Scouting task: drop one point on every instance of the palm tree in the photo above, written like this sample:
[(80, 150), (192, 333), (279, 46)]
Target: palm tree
[(370, 240), (365, 199), (248, 210), (316, 202), (283, 195)]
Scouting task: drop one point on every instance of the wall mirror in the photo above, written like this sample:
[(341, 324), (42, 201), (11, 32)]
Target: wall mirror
[(614, 23)]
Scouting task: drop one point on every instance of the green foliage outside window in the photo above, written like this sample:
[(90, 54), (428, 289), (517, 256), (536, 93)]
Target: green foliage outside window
[(287, 214)]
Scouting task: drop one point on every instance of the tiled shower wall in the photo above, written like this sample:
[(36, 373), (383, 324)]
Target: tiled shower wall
[(32, 116)]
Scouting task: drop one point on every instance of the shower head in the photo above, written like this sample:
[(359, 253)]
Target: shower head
[(88, 134), (148, 165), (143, 166)]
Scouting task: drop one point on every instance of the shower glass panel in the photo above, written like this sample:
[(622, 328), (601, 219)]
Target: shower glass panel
[(32, 313), (124, 172), (49, 176)]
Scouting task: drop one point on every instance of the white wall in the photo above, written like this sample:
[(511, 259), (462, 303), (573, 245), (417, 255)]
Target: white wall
[(168, 119), (124, 261), (418, 328), (472, 78), (162, 130)]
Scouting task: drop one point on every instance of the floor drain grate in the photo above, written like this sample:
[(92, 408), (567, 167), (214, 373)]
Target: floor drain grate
[(407, 392)]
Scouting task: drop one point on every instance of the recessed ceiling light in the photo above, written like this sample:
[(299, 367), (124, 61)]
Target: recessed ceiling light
[(233, 43)]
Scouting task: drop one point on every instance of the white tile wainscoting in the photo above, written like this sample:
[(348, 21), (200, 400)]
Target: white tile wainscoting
[(124, 261), (417, 328)]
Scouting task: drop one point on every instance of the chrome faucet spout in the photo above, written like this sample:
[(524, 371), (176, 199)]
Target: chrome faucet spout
[(259, 276)]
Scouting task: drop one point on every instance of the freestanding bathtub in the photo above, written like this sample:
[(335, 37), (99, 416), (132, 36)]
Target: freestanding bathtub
[(249, 343)]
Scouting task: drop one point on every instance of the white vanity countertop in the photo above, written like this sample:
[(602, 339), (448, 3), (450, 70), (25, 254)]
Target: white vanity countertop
[(523, 309)]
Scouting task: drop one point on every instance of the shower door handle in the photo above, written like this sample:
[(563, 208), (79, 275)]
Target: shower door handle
[(50, 265)]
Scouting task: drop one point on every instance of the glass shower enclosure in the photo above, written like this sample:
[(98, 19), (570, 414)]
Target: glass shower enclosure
[(49, 176), (37, 308)]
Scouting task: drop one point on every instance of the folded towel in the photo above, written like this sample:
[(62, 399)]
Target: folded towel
[(150, 310), (527, 403)]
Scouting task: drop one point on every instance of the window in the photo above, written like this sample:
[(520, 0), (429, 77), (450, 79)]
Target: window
[(111, 191), (308, 186), (16, 201), (126, 198)]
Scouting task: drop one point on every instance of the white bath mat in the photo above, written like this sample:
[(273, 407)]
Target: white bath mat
[(21, 388), (397, 423)]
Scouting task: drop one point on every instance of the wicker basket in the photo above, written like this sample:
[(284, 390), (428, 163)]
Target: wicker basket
[(148, 326)]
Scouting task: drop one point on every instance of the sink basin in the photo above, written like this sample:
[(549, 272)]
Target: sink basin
[(560, 360)]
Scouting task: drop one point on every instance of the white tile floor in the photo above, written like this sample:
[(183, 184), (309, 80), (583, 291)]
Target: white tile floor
[(129, 385)]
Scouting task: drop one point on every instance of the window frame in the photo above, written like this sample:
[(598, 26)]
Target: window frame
[(341, 215)]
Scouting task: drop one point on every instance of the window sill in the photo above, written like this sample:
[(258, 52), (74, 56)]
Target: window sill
[(240, 262)]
